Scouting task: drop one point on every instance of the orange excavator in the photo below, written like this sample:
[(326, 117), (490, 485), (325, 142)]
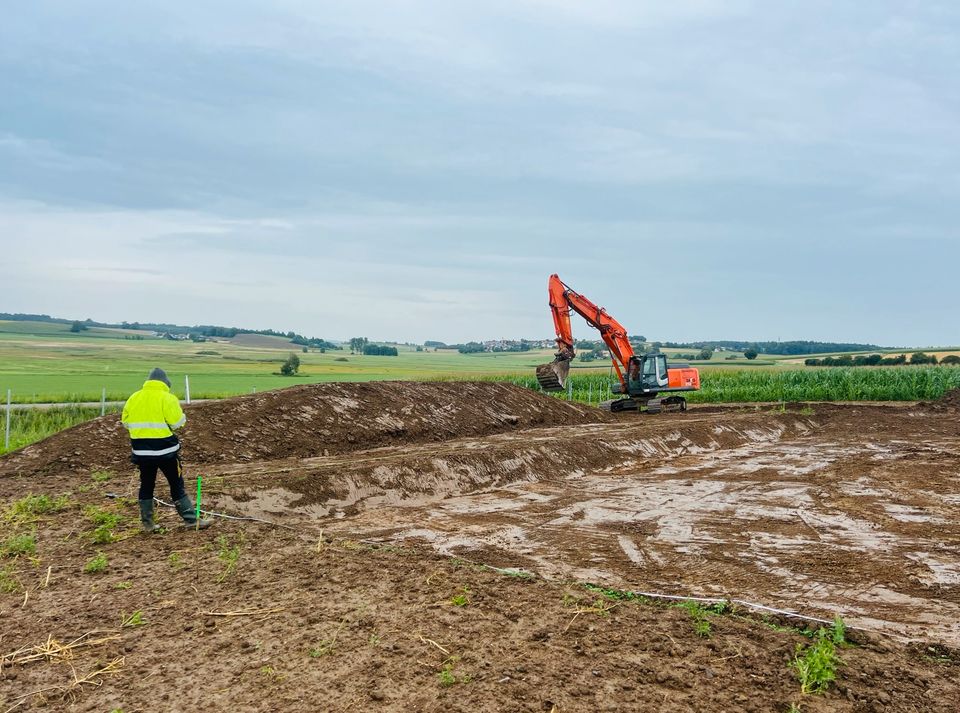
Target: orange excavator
[(643, 378)]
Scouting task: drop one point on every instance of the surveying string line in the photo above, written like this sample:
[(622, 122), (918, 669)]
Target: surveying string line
[(115, 496), (741, 602)]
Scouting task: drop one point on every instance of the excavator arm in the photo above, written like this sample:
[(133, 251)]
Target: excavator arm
[(563, 299)]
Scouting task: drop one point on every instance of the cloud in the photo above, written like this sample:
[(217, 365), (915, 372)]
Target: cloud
[(431, 164)]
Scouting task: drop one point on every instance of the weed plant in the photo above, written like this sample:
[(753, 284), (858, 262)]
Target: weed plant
[(132, 620), (97, 564), (19, 545), (228, 554), (8, 581)]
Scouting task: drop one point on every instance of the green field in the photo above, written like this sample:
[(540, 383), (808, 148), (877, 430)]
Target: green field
[(43, 362), (57, 366)]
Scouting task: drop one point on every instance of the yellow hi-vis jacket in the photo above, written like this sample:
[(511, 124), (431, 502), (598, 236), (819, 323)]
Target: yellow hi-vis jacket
[(151, 415)]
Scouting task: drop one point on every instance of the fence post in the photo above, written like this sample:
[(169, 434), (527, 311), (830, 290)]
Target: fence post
[(103, 401), (570, 390), (6, 437), (590, 394), (186, 380)]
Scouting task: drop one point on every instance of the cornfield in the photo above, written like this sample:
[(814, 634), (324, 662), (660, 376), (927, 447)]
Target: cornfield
[(911, 383)]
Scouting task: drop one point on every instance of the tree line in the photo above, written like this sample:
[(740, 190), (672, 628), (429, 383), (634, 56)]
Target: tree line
[(880, 360)]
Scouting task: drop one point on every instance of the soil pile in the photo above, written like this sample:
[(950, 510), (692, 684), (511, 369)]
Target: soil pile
[(315, 420), (950, 401)]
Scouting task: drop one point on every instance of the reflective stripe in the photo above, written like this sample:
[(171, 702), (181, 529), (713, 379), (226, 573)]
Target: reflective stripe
[(157, 453), (174, 426), (131, 426)]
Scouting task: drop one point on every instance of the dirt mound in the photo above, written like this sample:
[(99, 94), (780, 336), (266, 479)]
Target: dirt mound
[(950, 401), (315, 420)]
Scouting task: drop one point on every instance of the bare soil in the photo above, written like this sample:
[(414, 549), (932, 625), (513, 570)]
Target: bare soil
[(431, 545)]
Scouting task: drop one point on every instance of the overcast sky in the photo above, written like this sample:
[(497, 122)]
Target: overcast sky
[(704, 169)]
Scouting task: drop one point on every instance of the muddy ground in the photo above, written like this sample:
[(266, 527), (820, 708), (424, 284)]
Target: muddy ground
[(431, 553)]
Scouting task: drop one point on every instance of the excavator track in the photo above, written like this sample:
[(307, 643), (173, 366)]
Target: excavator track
[(553, 375)]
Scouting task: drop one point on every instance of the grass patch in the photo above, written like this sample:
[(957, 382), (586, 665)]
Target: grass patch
[(8, 581), (18, 545), (461, 600), (97, 564), (175, 560), (101, 476), (31, 506), (448, 677), (105, 522), (123, 585), (701, 624), (132, 620), (618, 595), (229, 554)]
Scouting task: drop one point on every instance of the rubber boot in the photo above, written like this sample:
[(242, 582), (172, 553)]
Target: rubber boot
[(189, 515), (146, 516)]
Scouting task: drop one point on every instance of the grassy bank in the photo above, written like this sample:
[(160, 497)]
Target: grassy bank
[(30, 425)]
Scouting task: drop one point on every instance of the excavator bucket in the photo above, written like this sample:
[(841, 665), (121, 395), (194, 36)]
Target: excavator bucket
[(553, 375)]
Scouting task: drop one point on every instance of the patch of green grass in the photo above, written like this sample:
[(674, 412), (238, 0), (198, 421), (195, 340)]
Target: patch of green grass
[(515, 573), (461, 600), (132, 620), (97, 564), (448, 677), (619, 595), (271, 673), (175, 560), (18, 545), (123, 585), (816, 665), (31, 506), (8, 581), (101, 476), (228, 554), (701, 625), (105, 522)]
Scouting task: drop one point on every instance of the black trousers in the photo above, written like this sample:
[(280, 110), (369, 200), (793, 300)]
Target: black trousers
[(171, 469)]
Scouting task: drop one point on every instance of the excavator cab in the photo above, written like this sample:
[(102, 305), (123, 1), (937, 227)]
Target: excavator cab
[(646, 374)]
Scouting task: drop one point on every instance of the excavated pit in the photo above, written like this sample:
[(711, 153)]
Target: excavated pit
[(824, 509)]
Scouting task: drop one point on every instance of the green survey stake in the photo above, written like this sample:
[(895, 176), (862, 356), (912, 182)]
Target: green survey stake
[(199, 483)]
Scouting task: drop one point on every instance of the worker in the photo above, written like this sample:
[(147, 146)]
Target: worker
[(151, 415)]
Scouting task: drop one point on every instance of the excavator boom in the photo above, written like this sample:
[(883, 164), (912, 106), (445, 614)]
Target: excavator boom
[(563, 299)]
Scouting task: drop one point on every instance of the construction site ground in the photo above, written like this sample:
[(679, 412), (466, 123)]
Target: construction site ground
[(428, 546)]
